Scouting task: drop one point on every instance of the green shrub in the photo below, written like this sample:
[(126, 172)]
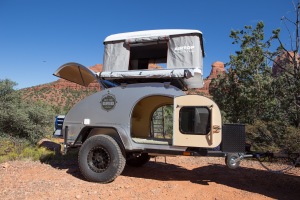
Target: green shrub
[(23, 119), (11, 156), (20, 149), (273, 136), (35, 154), (291, 140)]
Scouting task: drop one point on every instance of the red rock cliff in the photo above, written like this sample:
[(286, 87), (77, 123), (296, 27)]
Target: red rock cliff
[(218, 67)]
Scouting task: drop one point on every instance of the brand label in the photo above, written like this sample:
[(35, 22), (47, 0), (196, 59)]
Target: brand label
[(184, 49), (108, 102)]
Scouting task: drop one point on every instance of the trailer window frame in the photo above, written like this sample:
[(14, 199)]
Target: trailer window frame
[(188, 117), (143, 55)]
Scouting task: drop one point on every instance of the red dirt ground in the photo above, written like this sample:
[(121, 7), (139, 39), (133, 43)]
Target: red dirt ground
[(179, 178)]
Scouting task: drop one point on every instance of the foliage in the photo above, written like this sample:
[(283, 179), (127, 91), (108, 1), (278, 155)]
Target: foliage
[(20, 149), (245, 91), (168, 119), (287, 74), (291, 142), (273, 136), (60, 99), (250, 92), (27, 115), (162, 120), (23, 119), (264, 136)]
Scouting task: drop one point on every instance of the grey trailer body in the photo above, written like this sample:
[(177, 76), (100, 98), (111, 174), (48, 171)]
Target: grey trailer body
[(93, 114), (114, 127), (125, 113)]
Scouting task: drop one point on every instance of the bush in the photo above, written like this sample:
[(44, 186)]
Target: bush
[(21, 149), (35, 154), (23, 119), (273, 136), (292, 139)]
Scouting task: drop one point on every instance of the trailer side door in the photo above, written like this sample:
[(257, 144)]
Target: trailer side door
[(197, 122)]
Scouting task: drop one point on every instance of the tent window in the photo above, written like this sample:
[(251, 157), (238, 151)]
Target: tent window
[(148, 56)]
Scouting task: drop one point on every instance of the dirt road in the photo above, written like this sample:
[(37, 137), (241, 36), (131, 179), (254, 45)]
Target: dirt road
[(181, 178)]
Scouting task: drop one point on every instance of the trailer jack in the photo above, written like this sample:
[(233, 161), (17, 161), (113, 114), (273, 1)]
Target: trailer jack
[(233, 160)]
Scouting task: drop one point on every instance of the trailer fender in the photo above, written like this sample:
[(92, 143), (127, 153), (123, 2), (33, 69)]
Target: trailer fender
[(117, 135)]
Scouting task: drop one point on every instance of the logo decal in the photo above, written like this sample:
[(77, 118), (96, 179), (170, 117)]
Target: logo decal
[(184, 49), (108, 102)]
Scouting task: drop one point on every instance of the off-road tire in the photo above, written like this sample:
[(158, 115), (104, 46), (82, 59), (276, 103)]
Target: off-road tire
[(139, 160), (100, 159)]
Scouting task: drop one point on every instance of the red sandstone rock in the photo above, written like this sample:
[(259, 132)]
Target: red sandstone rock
[(218, 67), (283, 61), (97, 68)]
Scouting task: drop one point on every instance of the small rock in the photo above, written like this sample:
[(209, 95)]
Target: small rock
[(5, 165)]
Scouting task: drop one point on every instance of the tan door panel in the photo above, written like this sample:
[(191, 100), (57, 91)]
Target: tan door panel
[(213, 136)]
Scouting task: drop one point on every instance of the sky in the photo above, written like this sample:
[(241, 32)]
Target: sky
[(38, 36)]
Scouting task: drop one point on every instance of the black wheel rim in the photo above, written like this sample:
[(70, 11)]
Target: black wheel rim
[(98, 159)]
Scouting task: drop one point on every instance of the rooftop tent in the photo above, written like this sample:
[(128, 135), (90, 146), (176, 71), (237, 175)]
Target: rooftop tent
[(178, 48), (178, 51), (116, 56)]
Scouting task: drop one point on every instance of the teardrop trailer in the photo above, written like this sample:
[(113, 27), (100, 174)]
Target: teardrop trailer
[(114, 127)]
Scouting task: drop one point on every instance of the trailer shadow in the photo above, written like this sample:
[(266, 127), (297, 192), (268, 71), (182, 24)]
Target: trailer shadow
[(277, 186), (67, 162)]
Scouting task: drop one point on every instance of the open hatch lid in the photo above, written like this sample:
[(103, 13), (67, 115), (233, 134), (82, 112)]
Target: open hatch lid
[(76, 73)]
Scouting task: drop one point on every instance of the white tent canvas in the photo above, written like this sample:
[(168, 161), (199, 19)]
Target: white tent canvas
[(129, 55)]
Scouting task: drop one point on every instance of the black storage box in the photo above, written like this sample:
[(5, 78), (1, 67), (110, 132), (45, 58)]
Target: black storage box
[(233, 138)]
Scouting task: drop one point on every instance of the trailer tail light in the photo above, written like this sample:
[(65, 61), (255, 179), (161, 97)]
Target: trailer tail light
[(186, 153)]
